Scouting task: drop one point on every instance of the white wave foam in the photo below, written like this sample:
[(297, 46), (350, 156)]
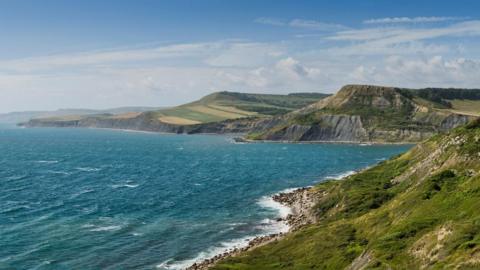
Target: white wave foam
[(170, 264), (81, 192), (267, 226), (88, 169), (106, 228), (125, 186), (268, 202), (47, 161), (340, 175)]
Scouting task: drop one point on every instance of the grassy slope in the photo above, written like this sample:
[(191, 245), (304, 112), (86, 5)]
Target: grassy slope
[(469, 107), (218, 107), (419, 209), (230, 105)]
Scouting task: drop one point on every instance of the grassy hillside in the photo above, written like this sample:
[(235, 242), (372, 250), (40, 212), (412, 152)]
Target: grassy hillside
[(215, 107), (417, 210), (230, 105)]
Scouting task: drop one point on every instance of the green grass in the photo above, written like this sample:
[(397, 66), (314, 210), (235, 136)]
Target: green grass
[(392, 213), (242, 104)]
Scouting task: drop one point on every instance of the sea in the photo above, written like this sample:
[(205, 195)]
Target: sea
[(111, 199)]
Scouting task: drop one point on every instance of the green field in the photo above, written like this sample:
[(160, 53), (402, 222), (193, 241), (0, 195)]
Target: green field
[(470, 107), (231, 105)]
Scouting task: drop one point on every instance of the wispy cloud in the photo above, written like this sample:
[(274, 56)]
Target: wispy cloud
[(316, 25), (402, 55), (398, 35), (270, 21), (302, 23), (411, 20)]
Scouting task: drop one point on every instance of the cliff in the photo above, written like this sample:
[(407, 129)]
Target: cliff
[(356, 113), (364, 113), (221, 112), (418, 210)]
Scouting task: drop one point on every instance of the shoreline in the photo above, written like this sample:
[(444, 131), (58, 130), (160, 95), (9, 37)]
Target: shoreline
[(238, 140), (299, 201), (363, 143)]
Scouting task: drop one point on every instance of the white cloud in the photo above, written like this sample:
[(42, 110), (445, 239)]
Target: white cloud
[(414, 72), (395, 20)]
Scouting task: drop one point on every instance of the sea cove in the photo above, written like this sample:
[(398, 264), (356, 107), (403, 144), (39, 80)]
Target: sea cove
[(90, 199)]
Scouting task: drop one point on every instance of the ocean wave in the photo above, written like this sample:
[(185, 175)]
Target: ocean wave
[(267, 226), (340, 175), (87, 169), (269, 203), (47, 161), (125, 186), (95, 228), (58, 172), (226, 246), (81, 192), (16, 177)]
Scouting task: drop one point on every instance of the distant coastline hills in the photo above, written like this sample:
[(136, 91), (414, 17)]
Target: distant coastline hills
[(356, 113), (24, 116)]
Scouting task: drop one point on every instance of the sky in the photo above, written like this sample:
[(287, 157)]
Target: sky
[(110, 53)]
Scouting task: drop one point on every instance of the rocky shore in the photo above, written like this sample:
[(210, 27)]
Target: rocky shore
[(300, 202)]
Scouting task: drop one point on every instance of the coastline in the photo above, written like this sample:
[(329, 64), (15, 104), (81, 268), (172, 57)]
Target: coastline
[(238, 140), (299, 201), (243, 140)]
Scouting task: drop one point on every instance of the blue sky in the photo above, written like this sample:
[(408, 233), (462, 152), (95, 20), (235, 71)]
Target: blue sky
[(98, 54)]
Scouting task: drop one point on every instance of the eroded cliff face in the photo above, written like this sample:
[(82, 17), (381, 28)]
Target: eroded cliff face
[(364, 113), (144, 122), (330, 128), (351, 128)]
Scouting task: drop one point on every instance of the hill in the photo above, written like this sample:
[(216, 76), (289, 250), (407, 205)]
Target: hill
[(231, 105), (418, 210), (17, 117), (365, 113), (201, 115)]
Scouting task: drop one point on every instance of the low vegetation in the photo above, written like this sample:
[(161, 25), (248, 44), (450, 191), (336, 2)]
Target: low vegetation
[(231, 105), (417, 210)]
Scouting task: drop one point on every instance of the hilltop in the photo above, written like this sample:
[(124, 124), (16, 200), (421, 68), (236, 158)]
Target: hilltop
[(221, 106), (418, 210), (366, 113)]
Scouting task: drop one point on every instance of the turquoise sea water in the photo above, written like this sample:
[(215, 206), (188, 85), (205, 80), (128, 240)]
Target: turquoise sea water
[(102, 199)]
